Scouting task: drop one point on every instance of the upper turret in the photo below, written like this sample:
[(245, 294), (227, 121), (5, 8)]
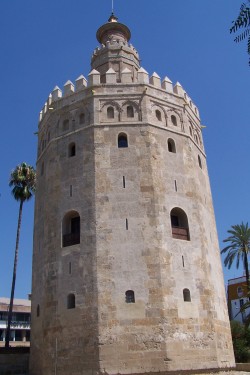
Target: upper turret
[(115, 52)]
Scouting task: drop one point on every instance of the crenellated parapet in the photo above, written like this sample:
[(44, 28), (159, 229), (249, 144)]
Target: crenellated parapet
[(84, 87)]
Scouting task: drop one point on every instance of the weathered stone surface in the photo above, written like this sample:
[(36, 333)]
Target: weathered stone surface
[(124, 197)]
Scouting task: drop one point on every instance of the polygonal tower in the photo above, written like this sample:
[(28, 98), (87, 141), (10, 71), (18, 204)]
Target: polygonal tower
[(127, 275)]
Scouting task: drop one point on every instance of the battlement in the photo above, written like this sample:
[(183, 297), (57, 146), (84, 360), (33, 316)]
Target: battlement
[(114, 44), (94, 79)]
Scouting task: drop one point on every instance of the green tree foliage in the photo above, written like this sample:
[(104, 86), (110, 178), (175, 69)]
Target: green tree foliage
[(242, 25), (238, 248), (240, 337), (23, 181)]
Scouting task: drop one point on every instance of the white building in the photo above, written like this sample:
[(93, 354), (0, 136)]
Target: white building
[(20, 325), (237, 297)]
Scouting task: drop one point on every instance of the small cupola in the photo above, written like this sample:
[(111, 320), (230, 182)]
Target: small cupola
[(115, 51)]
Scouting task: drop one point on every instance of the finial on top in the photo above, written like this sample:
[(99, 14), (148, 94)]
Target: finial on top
[(113, 18)]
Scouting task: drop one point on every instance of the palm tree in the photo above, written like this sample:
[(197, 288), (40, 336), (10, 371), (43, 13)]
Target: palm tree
[(243, 22), (238, 248), (23, 180)]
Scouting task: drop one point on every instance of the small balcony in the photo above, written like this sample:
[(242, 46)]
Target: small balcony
[(71, 239), (180, 233)]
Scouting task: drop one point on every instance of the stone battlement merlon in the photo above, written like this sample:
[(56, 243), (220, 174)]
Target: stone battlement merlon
[(81, 84)]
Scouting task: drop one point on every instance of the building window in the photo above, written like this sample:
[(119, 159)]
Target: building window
[(82, 118), (174, 120), (110, 112), (122, 140), (71, 229), (130, 296), (240, 291), (38, 311), (158, 115), (171, 145), (190, 131), (179, 224), (65, 125), (186, 295), (72, 149), (199, 161), (71, 301), (130, 111)]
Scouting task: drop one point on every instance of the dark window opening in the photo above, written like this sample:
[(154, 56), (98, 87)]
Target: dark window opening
[(130, 111), (199, 161), (71, 229), (186, 295), (124, 181), (122, 141), (110, 112), (65, 125), (82, 118), (171, 145), (158, 115), (72, 149), (174, 120), (71, 301), (38, 311), (179, 224), (130, 296)]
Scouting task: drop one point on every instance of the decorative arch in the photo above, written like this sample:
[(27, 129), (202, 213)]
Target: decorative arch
[(159, 114), (179, 224), (116, 111), (130, 111), (71, 229), (174, 118)]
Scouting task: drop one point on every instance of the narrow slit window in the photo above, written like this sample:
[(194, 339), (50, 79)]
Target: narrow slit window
[(175, 185), (124, 181), (199, 161), (183, 261), (72, 150), (70, 190), (70, 268), (38, 311), (126, 224), (130, 296)]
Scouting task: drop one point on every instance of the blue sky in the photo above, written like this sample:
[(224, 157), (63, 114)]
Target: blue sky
[(45, 43)]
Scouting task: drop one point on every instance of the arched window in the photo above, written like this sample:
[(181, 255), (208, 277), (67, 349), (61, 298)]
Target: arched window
[(174, 120), (195, 138), (38, 310), (72, 149), (199, 161), (240, 291), (130, 111), (179, 224), (71, 229), (82, 118), (158, 115), (122, 140), (71, 301), (190, 131), (110, 112), (186, 295), (171, 145), (130, 296), (65, 125)]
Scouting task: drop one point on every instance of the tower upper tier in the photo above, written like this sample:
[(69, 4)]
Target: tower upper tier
[(115, 52)]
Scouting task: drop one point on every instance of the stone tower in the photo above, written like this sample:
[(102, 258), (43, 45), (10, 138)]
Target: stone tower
[(127, 275)]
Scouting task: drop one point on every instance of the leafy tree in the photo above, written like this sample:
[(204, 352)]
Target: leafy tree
[(243, 22), (240, 337), (238, 248), (23, 181)]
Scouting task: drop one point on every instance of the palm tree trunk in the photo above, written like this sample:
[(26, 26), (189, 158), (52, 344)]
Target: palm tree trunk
[(7, 338), (246, 270)]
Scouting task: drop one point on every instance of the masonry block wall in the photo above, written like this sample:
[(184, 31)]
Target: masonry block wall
[(127, 275)]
